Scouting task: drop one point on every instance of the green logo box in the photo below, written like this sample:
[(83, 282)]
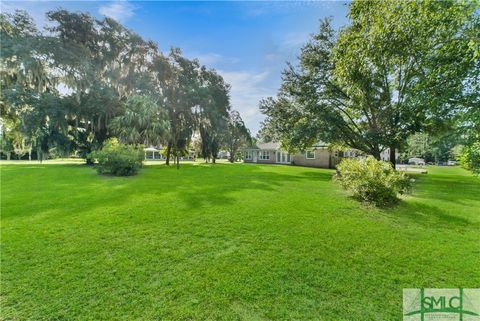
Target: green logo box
[(441, 304)]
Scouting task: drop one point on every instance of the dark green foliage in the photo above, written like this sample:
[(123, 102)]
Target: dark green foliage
[(400, 67), (118, 159), (436, 149), (237, 135), (117, 84), (145, 121), (372, 181), (470, 157), (212, 114)]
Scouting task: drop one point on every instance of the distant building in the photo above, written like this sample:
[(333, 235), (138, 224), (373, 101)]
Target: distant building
[(271, 153), (223, 154), (318, 155), (153, 153), (157, 153)]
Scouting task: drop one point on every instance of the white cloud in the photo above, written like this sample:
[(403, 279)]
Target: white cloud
[(36, 9), (118, 10), (248, 88), (212, 59), (208, 59), (295, 39), (273, 56)]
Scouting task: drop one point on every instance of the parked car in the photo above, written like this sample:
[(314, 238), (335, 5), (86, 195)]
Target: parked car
[(416, 161), (451, 163)]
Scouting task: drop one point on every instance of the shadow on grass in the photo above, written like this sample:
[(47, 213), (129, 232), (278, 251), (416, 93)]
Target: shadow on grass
[(72, 189), (205, 185), (450, 188), (430, 216), (449, 192)]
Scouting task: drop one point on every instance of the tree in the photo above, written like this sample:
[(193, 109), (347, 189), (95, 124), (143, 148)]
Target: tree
[(113, 61), (178, 82), (237, 135), (71, 88), (24, 79), (212, 114), (144, 122), (438, 149), (470, 158), (267, 133), (398, 68), (23, 55)]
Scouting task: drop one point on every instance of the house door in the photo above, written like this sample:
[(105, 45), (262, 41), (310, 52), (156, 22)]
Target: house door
[(283, 158)]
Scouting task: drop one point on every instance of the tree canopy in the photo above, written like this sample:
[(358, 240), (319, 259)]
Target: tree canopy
[(84, 80), (396, 69)]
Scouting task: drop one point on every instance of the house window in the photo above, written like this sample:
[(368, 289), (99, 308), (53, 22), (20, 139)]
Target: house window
[(310, 154), (283, 157), (264, 155), (248, 155)]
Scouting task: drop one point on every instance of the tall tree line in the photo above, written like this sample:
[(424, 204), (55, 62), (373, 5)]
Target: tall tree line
[(84, 80), (398, 68)]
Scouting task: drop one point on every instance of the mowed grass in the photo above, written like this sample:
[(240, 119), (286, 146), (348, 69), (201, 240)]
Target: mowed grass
[(226, 242)]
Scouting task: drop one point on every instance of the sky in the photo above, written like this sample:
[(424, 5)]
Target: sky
[(247, 42)]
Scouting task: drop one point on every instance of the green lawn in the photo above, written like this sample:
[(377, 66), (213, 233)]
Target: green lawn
[(226, 242)]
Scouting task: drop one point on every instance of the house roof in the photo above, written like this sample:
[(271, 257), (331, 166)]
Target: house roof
[(266, 146), (270, 146), (278, 146), (320, 144), (151, 149)]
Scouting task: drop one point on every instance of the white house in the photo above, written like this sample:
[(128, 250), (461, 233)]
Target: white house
[(153, 153)]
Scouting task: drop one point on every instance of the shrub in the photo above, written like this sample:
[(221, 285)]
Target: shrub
[(470, 158), (372, 181), (118, 159)]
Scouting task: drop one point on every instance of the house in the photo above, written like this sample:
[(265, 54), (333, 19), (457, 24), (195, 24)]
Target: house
[(223, 154), (265, 153), (355, 153), (385, 155), (318, 155), (153, 153), (156, 153), (271, 153)]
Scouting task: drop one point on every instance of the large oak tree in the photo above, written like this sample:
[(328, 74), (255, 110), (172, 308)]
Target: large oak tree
[(398, 68)]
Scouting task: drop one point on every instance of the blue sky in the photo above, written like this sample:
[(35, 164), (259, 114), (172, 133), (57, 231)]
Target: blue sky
[(248, 42)]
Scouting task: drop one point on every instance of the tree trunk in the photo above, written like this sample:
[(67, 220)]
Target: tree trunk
[(213, 160), (9, 154), (39, 155), (178, 161), (169, 149), (393, 159), (30, 154)]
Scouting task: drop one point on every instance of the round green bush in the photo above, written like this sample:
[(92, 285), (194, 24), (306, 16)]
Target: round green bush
[(470, 158), (372, 181), (118, 159)]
